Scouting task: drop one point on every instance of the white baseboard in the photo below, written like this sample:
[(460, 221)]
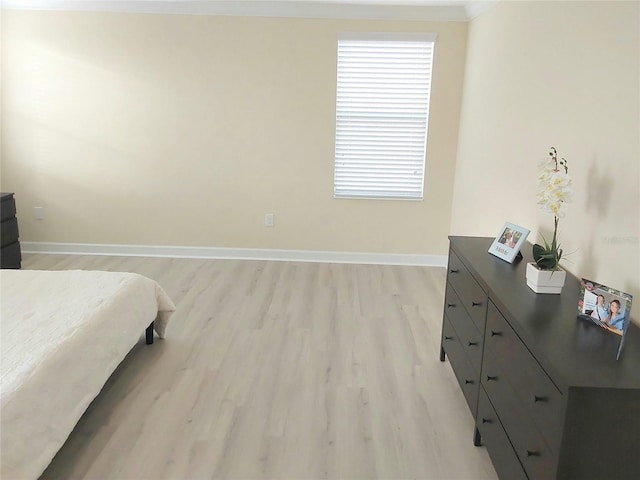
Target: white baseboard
[(234, 253)]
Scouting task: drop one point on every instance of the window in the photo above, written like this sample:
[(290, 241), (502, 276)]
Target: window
[(382, 113)]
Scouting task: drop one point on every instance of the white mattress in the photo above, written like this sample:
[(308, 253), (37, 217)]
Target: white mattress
[(62, 334)]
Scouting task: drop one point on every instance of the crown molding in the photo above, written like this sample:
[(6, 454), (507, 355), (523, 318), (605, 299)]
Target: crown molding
[(475, 9), (443, 10)]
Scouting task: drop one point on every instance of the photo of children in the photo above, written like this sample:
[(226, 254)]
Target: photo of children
[(510, 237)]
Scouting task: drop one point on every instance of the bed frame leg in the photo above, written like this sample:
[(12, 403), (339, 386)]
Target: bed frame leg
[(149, 333)]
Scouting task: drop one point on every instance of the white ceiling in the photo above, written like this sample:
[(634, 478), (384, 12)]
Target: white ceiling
[(443, 10)]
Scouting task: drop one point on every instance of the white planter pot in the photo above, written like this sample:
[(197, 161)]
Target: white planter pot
[(545, 281)]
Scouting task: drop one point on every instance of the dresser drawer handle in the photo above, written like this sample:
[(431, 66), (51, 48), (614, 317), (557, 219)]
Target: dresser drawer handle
[(471, 344), (476, 304), (491, 377), (533, 453), (454, 270), (467, 382), (447, 337), (486, 420), (537, 399), (496, 334), (451, 305)]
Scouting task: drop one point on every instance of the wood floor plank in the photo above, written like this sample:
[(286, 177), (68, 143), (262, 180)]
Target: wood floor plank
[(279, 370)]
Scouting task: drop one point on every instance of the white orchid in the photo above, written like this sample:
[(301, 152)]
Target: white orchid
[(554, 192)]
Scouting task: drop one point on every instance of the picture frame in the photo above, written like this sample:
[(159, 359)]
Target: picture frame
[(508, 242), (606, 307)]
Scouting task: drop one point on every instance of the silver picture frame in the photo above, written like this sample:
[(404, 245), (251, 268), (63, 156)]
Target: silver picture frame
[(508, 242)]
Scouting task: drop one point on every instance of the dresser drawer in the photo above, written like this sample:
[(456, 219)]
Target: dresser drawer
[(533, 388), (9, 231), (503, 456), (472, 296), (468, 335), (7, 208), (531, 448), (467, 377)]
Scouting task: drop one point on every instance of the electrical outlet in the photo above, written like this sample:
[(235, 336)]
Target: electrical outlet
[(268, 219), (38, 213)]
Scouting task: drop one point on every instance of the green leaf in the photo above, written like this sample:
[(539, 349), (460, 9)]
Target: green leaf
[(545, 257)]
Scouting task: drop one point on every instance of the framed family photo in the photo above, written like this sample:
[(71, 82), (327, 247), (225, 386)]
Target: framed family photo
[(508, 242), (606, 307)]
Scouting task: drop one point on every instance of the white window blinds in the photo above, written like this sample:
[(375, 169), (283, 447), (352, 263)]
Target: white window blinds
[(382, 112)]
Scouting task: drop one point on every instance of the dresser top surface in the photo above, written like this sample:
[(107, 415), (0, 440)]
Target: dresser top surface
[(574, 351)]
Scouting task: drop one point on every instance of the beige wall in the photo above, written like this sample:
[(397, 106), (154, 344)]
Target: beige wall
[(563, 74), (186, 130), (1, 109)]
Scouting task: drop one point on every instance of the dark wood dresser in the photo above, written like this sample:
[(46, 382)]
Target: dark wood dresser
[(548, 397), (10, 256)]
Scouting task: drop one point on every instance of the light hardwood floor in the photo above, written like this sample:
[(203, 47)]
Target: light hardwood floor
[(279, 370)]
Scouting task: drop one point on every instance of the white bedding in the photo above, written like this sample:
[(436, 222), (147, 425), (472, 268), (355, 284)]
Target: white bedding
[(63, 333)]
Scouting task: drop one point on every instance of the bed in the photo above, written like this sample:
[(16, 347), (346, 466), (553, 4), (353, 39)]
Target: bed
[(63, 333)]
